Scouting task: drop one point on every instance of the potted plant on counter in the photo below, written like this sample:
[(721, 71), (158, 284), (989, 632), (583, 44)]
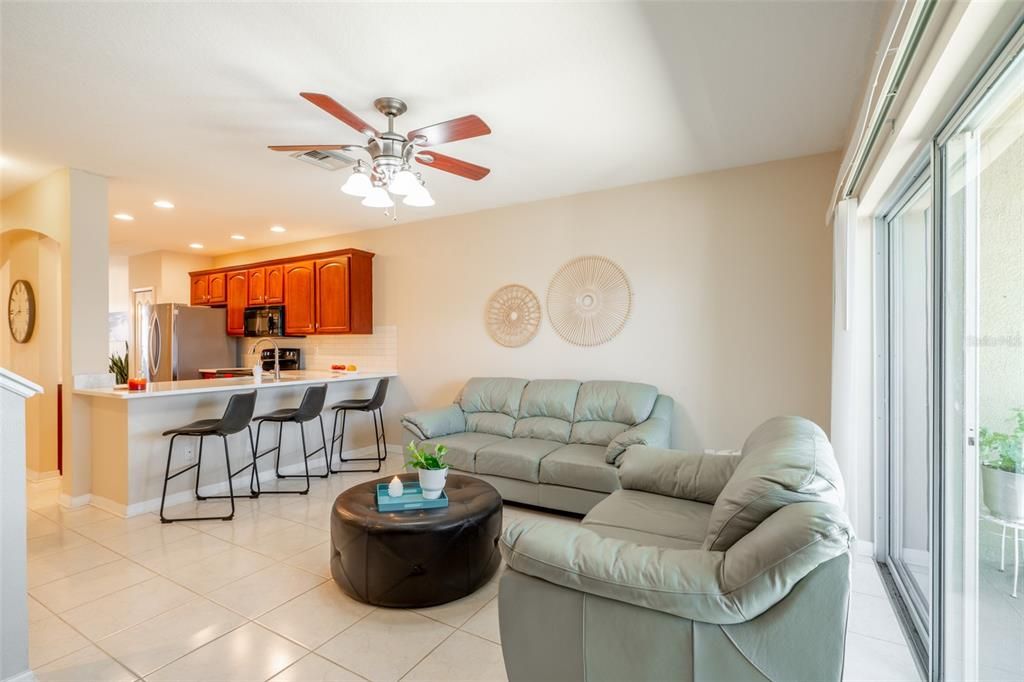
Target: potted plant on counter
[(1002, 470), (432, 469)]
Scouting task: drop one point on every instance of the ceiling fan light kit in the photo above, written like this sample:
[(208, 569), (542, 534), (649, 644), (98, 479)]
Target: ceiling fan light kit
[(359, 183), (391, 154)]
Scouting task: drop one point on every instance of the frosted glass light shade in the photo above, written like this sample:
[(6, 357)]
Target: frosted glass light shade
[(419, 197), (378, 198), (357, 185), (403, 183)]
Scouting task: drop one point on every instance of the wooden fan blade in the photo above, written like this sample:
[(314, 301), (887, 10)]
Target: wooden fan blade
[(306, 147), (452, 165), (339, 112), (450, 131)]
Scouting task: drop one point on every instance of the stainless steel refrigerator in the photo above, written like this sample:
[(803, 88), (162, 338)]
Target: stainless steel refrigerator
[(175, 341)]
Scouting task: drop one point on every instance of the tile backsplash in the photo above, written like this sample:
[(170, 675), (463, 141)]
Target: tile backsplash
[(377, 352)]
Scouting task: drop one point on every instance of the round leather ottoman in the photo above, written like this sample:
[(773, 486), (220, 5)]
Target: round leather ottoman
[(415, 558)]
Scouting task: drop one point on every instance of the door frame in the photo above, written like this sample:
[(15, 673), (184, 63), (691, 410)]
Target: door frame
[(919, 635), (133, 365)]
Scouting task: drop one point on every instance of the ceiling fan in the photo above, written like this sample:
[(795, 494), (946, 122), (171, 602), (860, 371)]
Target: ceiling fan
[(389, 170)]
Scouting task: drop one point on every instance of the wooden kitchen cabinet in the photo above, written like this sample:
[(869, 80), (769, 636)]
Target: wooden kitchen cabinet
[(237, 298), (322, 293), (332, 295), (218, 288), (200, 290), (299, 298), (257, 286), (274, 288)]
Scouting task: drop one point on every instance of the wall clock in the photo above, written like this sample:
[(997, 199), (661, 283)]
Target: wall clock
[(21, 311)]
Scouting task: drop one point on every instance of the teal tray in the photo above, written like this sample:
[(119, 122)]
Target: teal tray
[(411, 499)]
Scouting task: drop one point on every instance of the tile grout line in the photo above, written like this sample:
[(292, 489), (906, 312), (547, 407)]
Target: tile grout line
[(424, 657)]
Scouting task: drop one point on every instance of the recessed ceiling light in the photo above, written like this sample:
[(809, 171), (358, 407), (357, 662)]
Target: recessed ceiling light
[(196, 245), (124, 216), (239, 237), (163, 203), (277, 228)]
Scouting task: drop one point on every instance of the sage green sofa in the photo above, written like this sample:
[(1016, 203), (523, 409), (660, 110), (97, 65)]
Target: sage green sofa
[(703, 567), (551, 443)]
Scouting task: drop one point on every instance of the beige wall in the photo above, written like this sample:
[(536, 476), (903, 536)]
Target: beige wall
[(731, 274), (120, 297), (69, 206), (35, 258), (166, 272)]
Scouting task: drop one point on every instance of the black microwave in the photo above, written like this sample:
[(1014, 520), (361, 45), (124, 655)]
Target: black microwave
[(264, 321)]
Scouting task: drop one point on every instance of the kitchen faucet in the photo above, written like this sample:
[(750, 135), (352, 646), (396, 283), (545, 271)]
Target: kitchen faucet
[(277, 355)]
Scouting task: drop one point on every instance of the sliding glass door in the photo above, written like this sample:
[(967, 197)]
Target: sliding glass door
[(982, 162), (908, 553)]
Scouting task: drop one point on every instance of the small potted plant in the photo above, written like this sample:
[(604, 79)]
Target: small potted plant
[(432, 469), (1002, 470)]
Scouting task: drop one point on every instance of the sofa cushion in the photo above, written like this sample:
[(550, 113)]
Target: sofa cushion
[(491, 404), (462, 448), (604, 409), (492, 395), (663, 521), (546, 409), (549, 398), (494, 423), (543, 428), (785, 460), (515, 458), (596, 432), (614, 401), (580, 466)]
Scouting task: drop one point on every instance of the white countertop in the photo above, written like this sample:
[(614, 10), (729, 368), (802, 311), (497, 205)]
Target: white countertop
[(172, 388)]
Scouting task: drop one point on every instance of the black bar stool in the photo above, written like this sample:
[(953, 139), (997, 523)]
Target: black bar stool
[(236, 417), (309, 409), (374, 405)]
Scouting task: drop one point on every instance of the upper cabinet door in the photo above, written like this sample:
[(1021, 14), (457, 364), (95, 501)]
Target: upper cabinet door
[(200, 290), (237, 295), (218, 288), (257, 286), (332, 296), (299, 312), (274, 288)]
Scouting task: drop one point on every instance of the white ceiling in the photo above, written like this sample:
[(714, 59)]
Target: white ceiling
[(179, 101)]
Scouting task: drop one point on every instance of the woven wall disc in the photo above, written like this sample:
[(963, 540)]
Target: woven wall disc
[(589, 300), (513, 315)]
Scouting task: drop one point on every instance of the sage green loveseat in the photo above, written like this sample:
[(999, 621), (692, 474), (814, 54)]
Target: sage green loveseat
[(703, 567), (552, 443)]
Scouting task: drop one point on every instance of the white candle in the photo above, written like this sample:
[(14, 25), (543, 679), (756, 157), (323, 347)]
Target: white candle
[(395, 487)]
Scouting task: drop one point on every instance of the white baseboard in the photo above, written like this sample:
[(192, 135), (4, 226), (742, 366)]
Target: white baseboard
[(66, 500), (153, 505), (35, 476), (864, 548), (27, 676)]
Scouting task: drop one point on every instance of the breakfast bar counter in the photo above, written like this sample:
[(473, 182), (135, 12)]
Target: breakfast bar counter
[(129, 452), (195, 386)]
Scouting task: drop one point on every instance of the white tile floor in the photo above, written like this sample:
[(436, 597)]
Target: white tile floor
[(114, 599)]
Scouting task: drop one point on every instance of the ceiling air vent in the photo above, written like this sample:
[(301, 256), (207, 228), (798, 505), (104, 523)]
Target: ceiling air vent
[(327, 160)]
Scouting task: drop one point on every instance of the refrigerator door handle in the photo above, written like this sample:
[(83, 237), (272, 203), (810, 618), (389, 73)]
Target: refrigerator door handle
[(154, 346)]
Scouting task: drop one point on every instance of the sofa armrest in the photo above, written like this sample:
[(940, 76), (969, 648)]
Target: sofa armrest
[(711, 587), (655, 431), (435, 423), (676, 474)]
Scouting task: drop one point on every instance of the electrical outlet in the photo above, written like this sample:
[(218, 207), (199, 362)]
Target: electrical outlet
[(188, 454)]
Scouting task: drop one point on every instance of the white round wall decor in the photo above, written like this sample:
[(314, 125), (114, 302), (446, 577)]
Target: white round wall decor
[(513, 315), (589, 300)]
